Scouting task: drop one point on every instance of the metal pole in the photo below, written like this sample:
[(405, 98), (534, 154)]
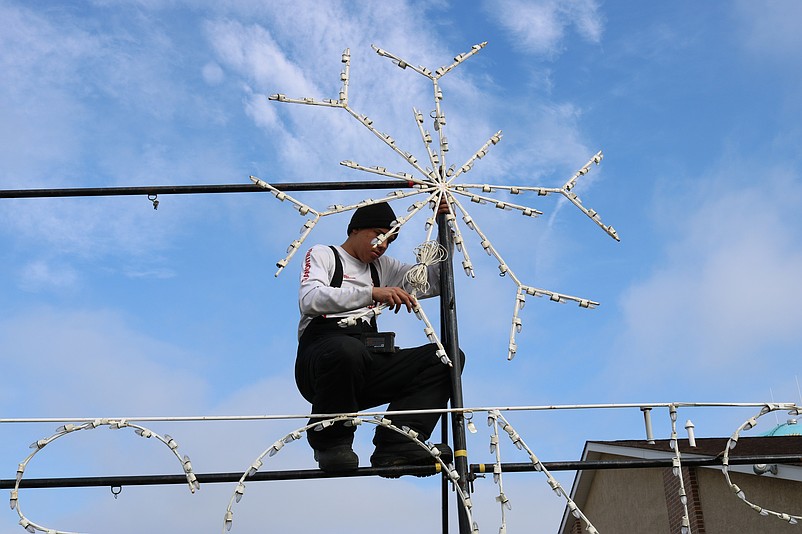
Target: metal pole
[(196, 189), (476, 470), (450, 338), (213, 478), (444, 481)]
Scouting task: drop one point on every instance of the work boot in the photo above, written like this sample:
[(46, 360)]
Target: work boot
[(336, 459), (407, 454)]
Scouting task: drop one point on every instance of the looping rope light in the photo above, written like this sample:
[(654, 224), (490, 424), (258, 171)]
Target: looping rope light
[(62, 431), (793, 409), (494, 419), (349, 420)]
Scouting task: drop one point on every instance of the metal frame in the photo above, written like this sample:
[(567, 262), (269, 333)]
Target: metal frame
[(448, 334)]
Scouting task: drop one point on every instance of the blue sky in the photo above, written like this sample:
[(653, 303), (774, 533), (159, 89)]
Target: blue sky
[(111, 308)]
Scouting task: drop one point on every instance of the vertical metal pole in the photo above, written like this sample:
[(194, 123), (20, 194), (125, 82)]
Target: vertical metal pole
[(444, 487), (450, 338)]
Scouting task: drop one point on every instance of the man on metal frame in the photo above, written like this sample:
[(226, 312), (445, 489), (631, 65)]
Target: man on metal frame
[(349, 369)]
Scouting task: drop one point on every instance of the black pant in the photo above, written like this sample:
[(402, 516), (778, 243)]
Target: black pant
[(337, 374)]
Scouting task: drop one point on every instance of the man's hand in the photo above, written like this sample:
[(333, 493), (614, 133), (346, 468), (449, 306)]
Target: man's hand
[(394, 297)]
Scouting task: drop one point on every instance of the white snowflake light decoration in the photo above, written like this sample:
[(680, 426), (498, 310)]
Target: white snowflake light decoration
[(436, 182)]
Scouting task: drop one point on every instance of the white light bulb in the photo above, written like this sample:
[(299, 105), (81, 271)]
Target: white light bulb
[(574, 509), (254, 468)]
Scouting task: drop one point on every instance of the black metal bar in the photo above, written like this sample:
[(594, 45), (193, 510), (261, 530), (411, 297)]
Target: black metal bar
[(586, 465), (197, 189), (444, 482), (450, 338), (476, 470), (214, 478)]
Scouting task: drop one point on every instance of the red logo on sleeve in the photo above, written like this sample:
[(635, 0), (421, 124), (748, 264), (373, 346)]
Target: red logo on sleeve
[(307, 265)]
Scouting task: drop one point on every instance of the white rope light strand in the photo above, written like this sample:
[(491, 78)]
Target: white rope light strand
[(345, 75), (69, 428), (401, 221), (487, 245), (495, 449), (479, 154), (303, 209), (349, 420), (426, 137), (309, 225), (481, 199), (522, 290), (417, 182), (428, 254), (566, 190), (395, 195), (442, 71), (793, 409), (495, 417), (430, 333), (676, 469)]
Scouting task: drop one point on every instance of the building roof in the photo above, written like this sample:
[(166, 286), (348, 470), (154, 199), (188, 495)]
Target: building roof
[(791, 428), (747, 446), (776, 445)]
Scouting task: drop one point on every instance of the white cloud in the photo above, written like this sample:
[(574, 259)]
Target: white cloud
[(252, 52), (212, 73), (98, 362), (540, 27), (79, 107), (772, 47), (41, 274), (38, 64), (262, 115), (313, 140), (726, 297), (771, 30)]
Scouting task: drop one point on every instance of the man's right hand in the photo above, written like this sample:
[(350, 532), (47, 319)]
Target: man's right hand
[(394, 297)]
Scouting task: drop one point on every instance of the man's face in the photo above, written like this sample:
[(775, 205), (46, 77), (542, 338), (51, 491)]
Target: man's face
[(364, 248)]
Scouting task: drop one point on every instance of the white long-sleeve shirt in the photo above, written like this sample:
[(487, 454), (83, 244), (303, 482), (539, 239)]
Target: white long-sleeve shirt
[(317, 298)]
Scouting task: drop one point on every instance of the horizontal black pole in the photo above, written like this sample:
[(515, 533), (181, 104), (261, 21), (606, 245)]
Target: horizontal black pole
[(476, 470), (197, 189), (587, 465), (213, 478)]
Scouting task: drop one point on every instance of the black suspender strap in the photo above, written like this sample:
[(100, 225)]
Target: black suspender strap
[(337, 277), (374, 275)]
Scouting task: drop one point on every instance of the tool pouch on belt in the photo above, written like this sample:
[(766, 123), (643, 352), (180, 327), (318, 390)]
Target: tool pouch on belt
[(379, 342)]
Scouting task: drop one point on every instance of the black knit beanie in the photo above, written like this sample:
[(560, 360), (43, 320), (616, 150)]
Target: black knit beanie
[(378, 215)]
